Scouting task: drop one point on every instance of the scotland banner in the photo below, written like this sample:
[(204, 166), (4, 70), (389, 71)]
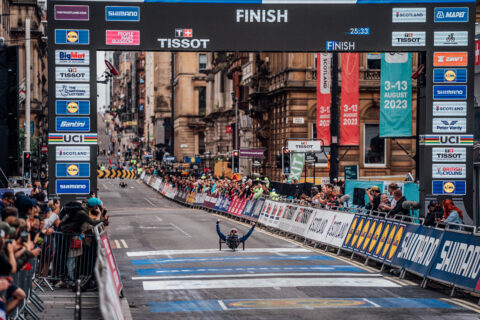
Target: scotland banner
[(396, 95)]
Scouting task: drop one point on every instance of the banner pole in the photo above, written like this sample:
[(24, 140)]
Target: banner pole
[(334, 120)]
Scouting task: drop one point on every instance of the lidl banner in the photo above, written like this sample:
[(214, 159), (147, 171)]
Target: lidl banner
[(396, 95), (349, 121), (324, 84)]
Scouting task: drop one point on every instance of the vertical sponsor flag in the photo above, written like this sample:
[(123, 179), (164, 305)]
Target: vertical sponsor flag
[(396, 95), (477, 52), (349, 128), (324, 84), (296, 165)]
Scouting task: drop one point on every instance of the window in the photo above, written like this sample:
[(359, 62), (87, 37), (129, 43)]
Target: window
[(374, 146), (201, 142), (374, 60), (202, 62), (202, 101)]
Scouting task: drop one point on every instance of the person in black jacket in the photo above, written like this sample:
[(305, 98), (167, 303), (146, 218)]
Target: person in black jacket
[(232, 240), (398, 196), (434, 214)]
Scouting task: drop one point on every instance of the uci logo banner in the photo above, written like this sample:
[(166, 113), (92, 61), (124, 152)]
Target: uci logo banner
[(68, 36)]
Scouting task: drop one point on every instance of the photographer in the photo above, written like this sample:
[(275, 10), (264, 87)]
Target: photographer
[(434, 214), (374, 198)]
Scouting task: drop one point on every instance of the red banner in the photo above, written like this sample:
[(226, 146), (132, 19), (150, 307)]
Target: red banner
[(324, 99), (349, 127), (477, 52)]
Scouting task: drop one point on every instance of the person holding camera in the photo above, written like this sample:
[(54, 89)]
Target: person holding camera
[(374, 197), (434, 214)]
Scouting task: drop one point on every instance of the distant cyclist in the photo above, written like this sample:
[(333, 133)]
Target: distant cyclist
[(232, 240)]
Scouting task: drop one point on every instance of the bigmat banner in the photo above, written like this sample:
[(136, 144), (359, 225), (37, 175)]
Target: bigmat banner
[(349, 121), (396, 95), (324, 98)]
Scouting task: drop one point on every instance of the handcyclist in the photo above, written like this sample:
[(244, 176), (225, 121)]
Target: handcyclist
[(232, 240)]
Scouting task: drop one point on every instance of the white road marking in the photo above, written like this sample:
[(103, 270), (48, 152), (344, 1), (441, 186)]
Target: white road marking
[(222, 305), (117, 244), (159, 219), (210, 251), (124, 244), (266, 283), (248, 275), (372, 303), (150, 202), (178, 228)]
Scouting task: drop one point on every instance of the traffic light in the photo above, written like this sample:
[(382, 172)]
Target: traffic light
[(279, 161), (236, 161), (286, 160), (27, 164)]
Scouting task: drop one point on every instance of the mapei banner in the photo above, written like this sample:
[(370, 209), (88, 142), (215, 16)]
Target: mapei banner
[(396, 95), (349, 112)]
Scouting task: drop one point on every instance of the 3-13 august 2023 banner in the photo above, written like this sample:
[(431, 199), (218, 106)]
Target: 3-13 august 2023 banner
[(396, 95), (349, 120), (324, 98)]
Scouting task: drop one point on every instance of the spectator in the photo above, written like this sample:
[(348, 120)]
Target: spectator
[(398, 196), (374, 198), (434, 214), (451, 214), (8, 199), (391, 188), (384, 205), (9, 212)]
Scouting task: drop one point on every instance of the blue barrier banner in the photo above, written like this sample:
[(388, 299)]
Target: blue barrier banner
[(369, 236), (219, 203), (226, 204), (458, 260), (247, 211), (258, 208), (351, 232), (418, 248), (377, 252), (356, 234), (363, 234)]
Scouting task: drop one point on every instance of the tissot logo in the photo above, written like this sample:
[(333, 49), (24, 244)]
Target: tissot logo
[(261, 16), (183, 40), (408, 39)]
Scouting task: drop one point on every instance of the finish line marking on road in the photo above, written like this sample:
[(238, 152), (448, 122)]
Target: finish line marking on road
[(308, 303), (229, 259), (210, 251), (258, 275), (251, 269), (267, 283)]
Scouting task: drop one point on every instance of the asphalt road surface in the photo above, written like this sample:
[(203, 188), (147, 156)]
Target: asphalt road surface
[(171, 268)]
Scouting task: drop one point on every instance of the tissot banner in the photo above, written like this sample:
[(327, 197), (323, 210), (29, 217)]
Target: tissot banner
[(296, 165), (349, 128), (324, 84), (396, 95)]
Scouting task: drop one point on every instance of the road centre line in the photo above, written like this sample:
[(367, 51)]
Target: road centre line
[(463, 304), (211, 251), (150, 202), (266, 283), (179, 229), (259, 275)]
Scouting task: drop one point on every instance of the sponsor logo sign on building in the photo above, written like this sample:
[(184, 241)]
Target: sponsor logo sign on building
[(400, 15), (73, 170), (450, 59), (252, 153), (449, 108), (63, 74), (451, 15), (72, 108), (72, 186), (122, 14), (304, 146), (449, 154), (450, 38), (408, 39), (72, 124), (123, 37), (447, 139), (72, 138), (71, 12), (442, 92), (449, 187), (458, 125), (76, 57), (449, 171), (450, 75), (184, 40), (72, 91), (72, 153), (68, 36)]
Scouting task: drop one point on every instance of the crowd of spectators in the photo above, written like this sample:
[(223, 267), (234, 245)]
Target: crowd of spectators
[(30, 227), (390, 203)]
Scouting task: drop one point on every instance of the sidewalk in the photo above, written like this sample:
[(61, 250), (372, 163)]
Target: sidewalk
[(60, 304)]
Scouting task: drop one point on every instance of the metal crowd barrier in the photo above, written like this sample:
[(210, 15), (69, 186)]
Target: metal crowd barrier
[(32, 304), (65, 258)]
